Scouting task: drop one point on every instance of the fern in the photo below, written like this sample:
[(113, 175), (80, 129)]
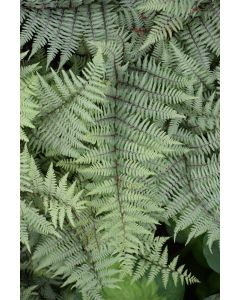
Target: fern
[(59, 200), (153, 259), (31, 220), (164, 26), (191, 182), (125, 142), (87, 268), (29, 108), (62, 26), (118, 137), (28, 293), (68, 98), (175, 7)]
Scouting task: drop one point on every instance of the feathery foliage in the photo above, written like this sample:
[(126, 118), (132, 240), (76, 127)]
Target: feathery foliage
[(119, 134)]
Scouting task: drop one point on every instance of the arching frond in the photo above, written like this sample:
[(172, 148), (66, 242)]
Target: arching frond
[(70, 98)]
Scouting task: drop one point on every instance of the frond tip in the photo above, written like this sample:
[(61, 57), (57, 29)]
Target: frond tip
[(153, 259), (33, 221)]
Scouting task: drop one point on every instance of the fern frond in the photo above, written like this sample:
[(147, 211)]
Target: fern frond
[(29, 108), (153, 259), (28, 293), (164, 26), (175, 7), (118, 165), (89, 270), (60, 200), (193, 186), (124, 138), (209, 30), (190, 67), (162, 75), (60, 28), (32, 221), (68, 98), (63, 26)]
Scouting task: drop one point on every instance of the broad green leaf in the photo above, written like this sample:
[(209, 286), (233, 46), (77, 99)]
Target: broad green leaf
[(213, 297), (213, 259), (133, 291), (171, 292), (197, 252)]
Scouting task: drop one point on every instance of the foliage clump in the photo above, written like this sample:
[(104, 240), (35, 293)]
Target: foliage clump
[(119, 133)]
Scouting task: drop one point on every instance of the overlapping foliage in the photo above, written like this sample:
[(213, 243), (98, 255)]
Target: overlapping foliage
[(119, 133)]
